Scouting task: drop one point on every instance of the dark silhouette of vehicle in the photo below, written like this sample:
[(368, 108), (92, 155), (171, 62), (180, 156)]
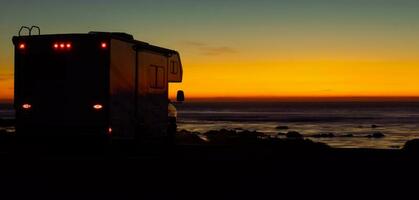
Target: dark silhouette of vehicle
[(95, 84)]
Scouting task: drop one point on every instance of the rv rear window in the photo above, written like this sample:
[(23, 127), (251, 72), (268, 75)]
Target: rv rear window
[(156, 77)]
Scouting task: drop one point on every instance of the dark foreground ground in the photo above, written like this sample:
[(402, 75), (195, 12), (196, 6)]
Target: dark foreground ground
[(264, 169)]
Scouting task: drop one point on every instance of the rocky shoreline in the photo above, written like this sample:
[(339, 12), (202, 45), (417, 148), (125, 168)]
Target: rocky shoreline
[(285, 137), (240, 136)]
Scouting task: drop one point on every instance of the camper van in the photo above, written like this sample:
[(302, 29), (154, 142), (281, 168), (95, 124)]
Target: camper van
[(97, 84)]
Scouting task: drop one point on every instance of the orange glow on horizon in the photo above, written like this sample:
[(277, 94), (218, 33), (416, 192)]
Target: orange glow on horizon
[(271, 74), (304, 78)]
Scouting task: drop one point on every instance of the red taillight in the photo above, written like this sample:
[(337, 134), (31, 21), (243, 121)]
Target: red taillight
[(62, 45), (104, 45), (97, 106), (22, 46), (110, 131), (26, 106)]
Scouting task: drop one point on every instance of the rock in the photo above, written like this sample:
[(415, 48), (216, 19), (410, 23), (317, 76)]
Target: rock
[(226, 131), (282, 127), (7, 122), (412, 146), (376, 135), (347, 135), (220, 132), (247, 133), (188, 138), (183, 131), (281, 134), (294, 135), (225, 136), (329, 135), (301, 145), (394, 146), (324, 135)]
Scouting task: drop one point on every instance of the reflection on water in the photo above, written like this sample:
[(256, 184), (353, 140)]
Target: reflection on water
[(6, 112)]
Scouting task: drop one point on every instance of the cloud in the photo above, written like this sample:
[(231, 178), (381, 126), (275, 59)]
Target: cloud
[(219, 50), (193, 44), (209, 49)]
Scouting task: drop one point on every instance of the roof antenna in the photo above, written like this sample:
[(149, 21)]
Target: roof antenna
[(24, 27)]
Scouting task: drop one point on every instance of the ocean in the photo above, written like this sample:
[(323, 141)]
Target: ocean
[(398, 121)]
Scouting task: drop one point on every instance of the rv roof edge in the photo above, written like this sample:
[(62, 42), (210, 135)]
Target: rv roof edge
[(114, 34), (162, 50), (138, 44)]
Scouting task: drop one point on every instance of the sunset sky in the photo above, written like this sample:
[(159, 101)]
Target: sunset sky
[(265, 48)]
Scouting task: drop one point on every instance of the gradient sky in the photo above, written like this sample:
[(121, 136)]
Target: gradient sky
[(250, 48)]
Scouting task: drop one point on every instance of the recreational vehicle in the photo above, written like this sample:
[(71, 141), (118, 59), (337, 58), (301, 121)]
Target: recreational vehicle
[(95, 84)]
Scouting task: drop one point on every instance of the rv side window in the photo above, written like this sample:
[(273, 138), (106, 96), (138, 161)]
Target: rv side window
[(156, 77), (173, 67)]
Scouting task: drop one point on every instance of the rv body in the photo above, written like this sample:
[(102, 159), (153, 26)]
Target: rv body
[(95, 84)]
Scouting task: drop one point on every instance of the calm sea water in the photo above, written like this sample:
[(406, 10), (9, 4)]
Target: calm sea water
[(399, 121)]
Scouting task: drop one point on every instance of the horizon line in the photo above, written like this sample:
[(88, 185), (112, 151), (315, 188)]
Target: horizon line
[(305, 98), (289, 98)]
